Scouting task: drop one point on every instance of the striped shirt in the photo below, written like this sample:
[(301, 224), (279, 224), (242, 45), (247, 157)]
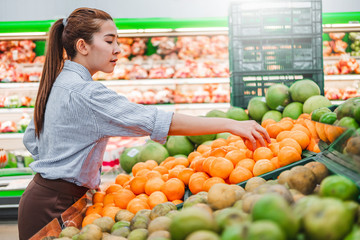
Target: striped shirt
[(81, 115)]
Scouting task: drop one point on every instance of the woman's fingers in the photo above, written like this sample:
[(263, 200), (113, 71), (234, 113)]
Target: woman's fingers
[(264, 133), (259, 137)]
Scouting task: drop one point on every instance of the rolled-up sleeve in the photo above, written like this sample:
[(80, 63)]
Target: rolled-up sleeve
[(29, 140), (116, 116)]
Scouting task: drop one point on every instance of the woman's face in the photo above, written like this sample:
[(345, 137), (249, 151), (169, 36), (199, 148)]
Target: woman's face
[(102, 55)]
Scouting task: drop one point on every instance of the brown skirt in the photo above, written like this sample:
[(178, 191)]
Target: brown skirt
[(44, 200)]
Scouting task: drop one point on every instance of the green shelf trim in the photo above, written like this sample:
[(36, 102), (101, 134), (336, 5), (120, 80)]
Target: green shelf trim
[(146, 23), (341, 17), (11, 193)]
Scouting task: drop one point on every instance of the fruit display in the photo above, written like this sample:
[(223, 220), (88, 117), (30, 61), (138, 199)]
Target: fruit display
[(336, 46), (304, 202), (355, 43), (15, 127), (341, 94), (345, 65)]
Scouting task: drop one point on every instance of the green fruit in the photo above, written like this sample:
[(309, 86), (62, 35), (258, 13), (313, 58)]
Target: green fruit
[(224, 135), (265, 230), (339, 187), (154, 151), (129, 157), (317, 113), (354, 234), (356, 110), (293, 110), (179, 145), (237, 113), (329, 219), (207, 143), (328, 118), (272, 114), (348, 122), (203, 235), (315, 102), (275, 208), (199, 139), (180, 156), (347, 108), (230, 216), (234, 232), (301, 90), (216, 113), (257, 108), (120, 224), (190, 220), (277, 95), (69, 232), (138, 234)]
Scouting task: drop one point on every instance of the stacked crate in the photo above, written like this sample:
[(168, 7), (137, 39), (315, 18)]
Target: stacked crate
[(274, 41)]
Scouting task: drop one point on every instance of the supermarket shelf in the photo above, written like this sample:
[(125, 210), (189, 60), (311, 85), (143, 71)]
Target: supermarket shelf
[(351, 27), (5, 136), (192, 106), (342, 77), (16, 110), (142, 82)]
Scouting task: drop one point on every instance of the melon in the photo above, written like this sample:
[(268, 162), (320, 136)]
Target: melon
[(315, 102), (277, 95), (301, 90)]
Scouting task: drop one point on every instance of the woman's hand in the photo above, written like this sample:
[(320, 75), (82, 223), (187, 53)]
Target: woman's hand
[(250, 130)]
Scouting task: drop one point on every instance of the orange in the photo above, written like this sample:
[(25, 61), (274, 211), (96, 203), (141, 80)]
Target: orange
[(275, 162), (210, 182), (305, 116), (240, 174), (108, 199), (173, 173), (168, 159), (143, 196), (138, 166), (301, 138), (221, 167), (311, 127), (196, 164), (267, 122), (152, 174), (206, 154), (122, 178), (282, 135), (274, 147), (142, 172), (288, 155), (185, 174), (153, 184), (110, 211), (203, 148), (173, 189), (274, 129), (236, 155), (156, 198), (180, 167), (151, 164), (96, 208), (313, 146), (247, 163), (137, 184), (218, 143), (136, 205), (286, 125), (170, 164), (262, 153), (291, 143), (123, 197), (98, 197), (192, 155), (262, 166), (258, 144), (177, 201), (90, 218), (206, 164), (332, 132), (287, 119), (196, 182), (301, 128), (165, 177), (161, 169), (113, 188), (218, 152), (238, 144), (233, 138), (320, 130), (182, 161)]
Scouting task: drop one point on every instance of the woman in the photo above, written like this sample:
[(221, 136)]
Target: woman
[(74, 117)]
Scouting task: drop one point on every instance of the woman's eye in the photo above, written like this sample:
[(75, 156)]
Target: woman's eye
[(109, 42)]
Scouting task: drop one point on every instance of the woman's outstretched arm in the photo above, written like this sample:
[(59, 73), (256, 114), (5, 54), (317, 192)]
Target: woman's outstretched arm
[(189, 125)]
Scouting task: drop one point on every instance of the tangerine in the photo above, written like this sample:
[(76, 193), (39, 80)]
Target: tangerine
[(262, 153), (262, 166), (288, 155), (174, 189), (136, 205), (123, 197), (240, 174), (156, 198)]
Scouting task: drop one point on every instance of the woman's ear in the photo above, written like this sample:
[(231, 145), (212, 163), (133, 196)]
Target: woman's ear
[(82, 47)]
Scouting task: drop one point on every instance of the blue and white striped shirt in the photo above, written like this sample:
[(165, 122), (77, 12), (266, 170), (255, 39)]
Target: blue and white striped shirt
[(81, 115)]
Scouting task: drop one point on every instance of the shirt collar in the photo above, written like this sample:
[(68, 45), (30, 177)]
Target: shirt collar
[(79, 69)]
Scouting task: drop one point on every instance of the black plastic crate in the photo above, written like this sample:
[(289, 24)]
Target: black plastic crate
[(275, 17), (276, 54), (246, 85)]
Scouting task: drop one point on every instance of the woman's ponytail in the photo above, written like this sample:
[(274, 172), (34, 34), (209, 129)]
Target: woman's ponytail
[(54, 61)]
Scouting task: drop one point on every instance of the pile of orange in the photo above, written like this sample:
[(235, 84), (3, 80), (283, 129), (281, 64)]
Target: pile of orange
[(230, 160)]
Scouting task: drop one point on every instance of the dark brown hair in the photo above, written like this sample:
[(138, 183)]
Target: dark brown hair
[(81, 24)]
